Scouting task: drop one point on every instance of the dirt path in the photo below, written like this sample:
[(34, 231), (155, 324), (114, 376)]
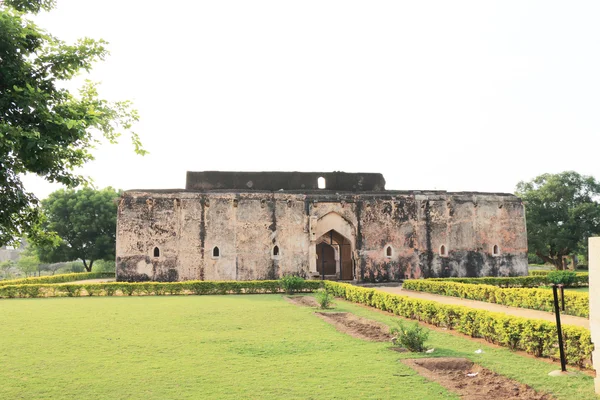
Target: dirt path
[(519, 312), (471, 381), (357, 327), (101, 280)]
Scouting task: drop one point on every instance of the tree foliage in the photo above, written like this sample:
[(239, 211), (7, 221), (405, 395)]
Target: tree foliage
[(45, 129), (562, 211), (28, 264), (85, 221)]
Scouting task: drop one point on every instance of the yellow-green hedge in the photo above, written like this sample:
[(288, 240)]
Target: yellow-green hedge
[(150, 288), (534, 336), (59, 278), (536, 299), (581, 279)]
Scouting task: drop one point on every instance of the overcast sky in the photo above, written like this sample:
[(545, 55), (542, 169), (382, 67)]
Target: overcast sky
[(448, 95)]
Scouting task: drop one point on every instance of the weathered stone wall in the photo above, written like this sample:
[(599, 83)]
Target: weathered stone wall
[(245, 226)]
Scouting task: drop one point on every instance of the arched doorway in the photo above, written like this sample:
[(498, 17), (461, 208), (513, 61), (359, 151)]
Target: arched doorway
[(334, 255), (326, 259), (338, 233)]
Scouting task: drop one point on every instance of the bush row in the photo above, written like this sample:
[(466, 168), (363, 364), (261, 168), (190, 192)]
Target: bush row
[(151, 288), (534, 336), (537, 299), (581, 279), (59, 278)]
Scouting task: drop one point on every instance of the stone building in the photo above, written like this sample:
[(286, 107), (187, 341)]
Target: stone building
[(262, 225)]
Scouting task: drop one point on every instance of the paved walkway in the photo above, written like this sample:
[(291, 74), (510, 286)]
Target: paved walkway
[(519, 312)]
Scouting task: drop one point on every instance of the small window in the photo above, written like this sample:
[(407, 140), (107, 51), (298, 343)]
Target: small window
[(443, 252), (216, 252), (496, 250), (276, 250), (321, 183), (156, 252), (389, 251)]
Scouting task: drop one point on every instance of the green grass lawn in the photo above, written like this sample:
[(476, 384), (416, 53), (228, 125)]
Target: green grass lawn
[(221, 347)]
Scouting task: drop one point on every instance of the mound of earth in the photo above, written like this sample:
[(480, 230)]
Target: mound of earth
[(453, 374), (358, 327), (307, 301)]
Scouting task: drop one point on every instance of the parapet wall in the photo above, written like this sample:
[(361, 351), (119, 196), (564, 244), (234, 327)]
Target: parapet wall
[(275, 181)]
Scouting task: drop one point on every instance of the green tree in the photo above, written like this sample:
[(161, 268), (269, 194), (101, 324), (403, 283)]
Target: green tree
[(28, 264), (562, 211), (85, 220), (6, 268), (45, 129)]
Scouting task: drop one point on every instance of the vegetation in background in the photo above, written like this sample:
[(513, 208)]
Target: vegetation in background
[(104, 266), (8, 269), (562, 211), (85, 222), (45, 129)]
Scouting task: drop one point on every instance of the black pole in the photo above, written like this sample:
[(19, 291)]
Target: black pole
[(331, 245), (563, 363), (322, 262), (562, 296)]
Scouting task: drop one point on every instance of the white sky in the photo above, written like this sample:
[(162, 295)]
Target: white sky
[(449, 95)]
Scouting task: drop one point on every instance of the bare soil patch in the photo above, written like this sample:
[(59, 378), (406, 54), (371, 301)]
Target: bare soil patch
[(453, 374), (306, 301), (357, 327)]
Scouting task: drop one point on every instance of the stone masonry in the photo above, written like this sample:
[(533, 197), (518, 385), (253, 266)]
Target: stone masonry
[(262, 225)]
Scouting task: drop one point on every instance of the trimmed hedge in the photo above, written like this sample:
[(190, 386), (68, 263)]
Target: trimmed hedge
[(59, 278), (534, 336), (537, 299), (581, 279), (150, 288)]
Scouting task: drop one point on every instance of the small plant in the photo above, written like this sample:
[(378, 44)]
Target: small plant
[(412, 337), (324, 298), (566, 278), (292, 283)]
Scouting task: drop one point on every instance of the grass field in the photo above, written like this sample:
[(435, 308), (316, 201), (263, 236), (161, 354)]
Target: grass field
[(222, 347)]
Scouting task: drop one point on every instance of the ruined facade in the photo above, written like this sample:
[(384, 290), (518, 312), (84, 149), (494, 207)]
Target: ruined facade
[(262, 225)]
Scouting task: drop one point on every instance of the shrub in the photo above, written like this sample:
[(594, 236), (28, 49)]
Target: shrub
[(537, 299), (412, 337), (104, 266), (292, 283), (534, 336), (324, 298), (76, 267), (566, 278)]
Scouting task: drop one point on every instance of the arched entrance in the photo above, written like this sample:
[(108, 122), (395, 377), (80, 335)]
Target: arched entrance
[(332, 243), (334, 256)]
